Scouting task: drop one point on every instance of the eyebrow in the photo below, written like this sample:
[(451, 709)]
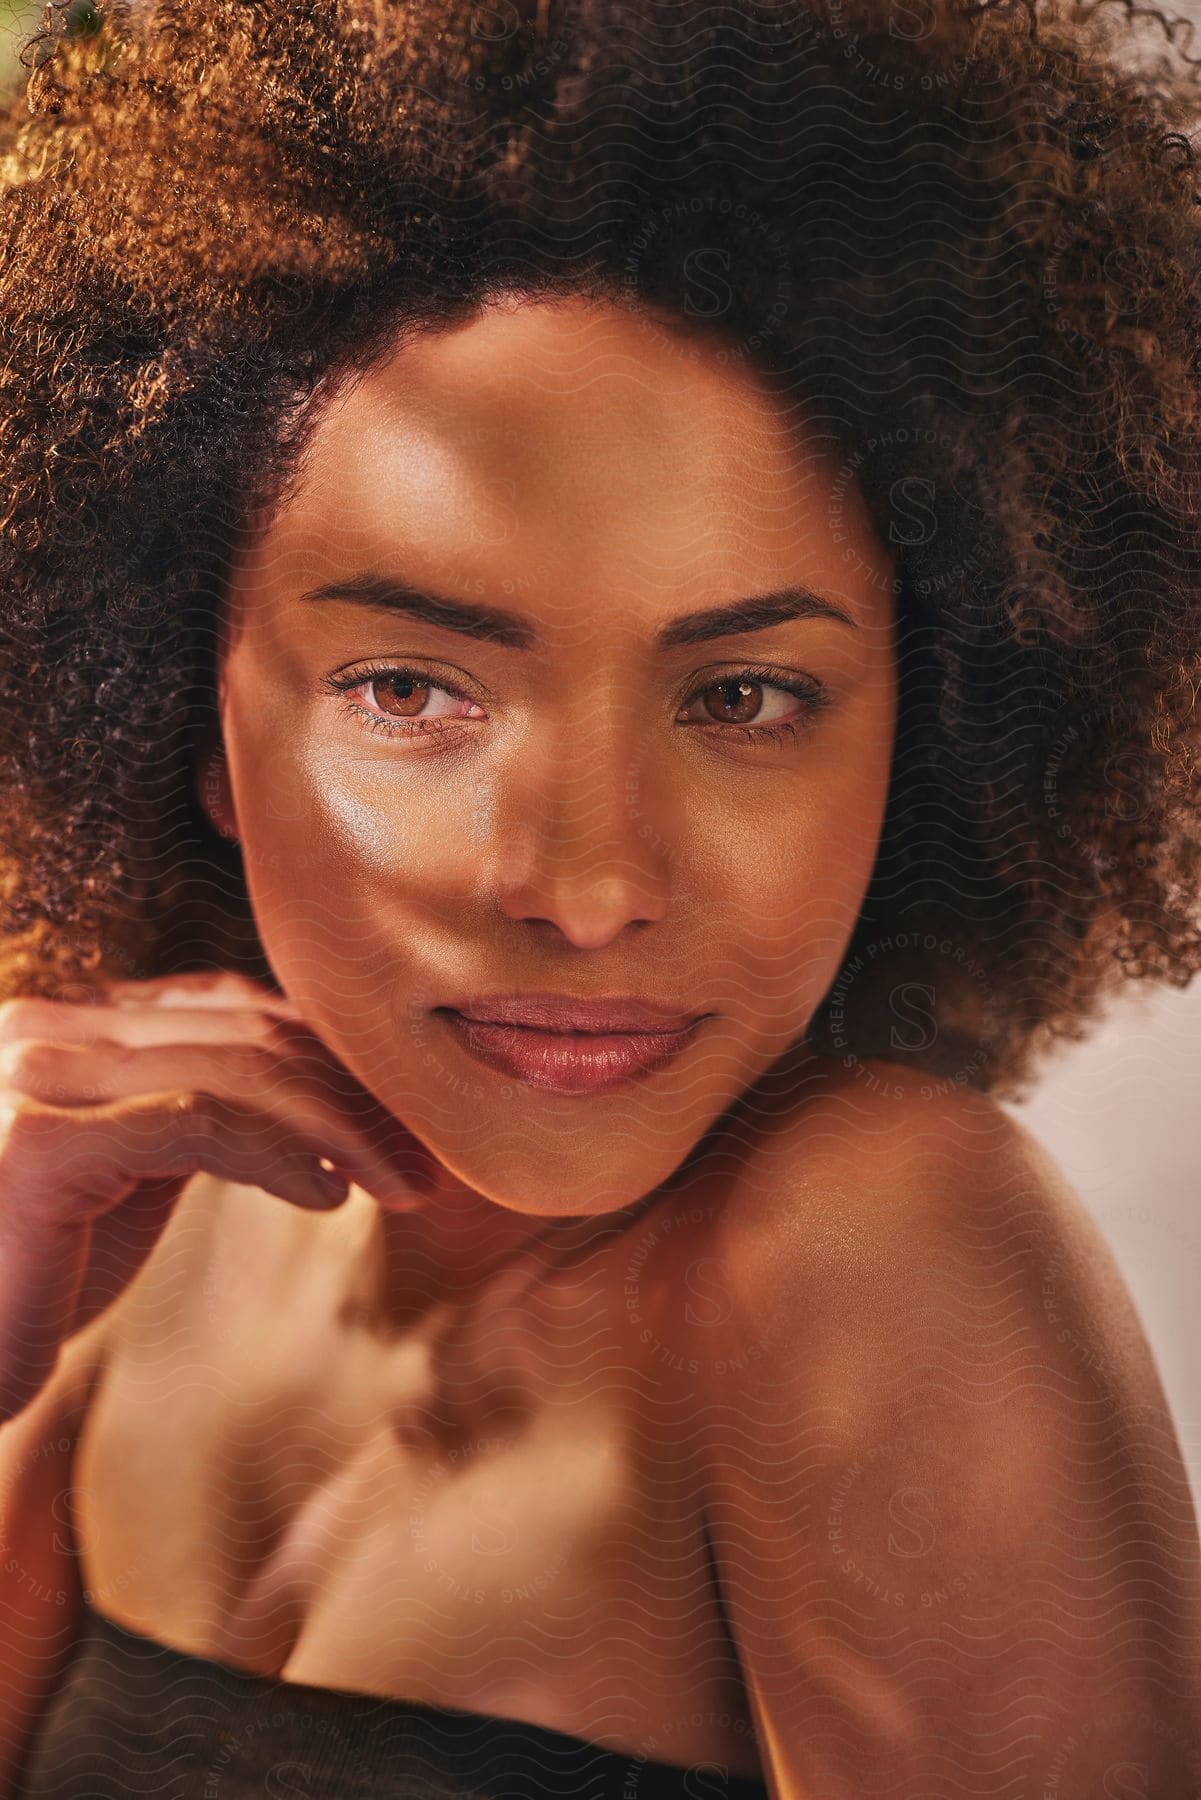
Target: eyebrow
[(497, 625)]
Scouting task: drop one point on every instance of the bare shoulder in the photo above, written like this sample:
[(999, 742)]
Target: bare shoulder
[(894, 1205), (944, 1490)]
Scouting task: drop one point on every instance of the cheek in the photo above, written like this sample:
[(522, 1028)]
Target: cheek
[(349, 817), (791, 869), (337, 861), (793, 877)]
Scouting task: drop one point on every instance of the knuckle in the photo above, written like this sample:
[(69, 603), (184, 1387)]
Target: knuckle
[(190, 1104), (199, 1114), (21, 1017), (206, 1121), (187, 1125), (26, 1064)]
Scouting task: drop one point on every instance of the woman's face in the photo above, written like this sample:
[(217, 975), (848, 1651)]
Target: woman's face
[(569, 791)]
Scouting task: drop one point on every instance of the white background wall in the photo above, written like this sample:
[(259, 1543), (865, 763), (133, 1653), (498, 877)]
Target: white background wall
[(1121, 1115)]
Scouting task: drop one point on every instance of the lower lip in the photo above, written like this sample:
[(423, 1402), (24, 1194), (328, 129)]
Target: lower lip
[(568, 1062)]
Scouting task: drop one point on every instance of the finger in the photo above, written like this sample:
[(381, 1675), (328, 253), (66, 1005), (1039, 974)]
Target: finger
[(61, 1183), (305, 1090), (80, 1165), (207, 989), (91, 1027)]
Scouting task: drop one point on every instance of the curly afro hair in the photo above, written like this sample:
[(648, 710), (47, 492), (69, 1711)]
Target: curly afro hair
[(964, 238)]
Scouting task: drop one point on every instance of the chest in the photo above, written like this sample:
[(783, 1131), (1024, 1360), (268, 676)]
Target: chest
[(499, 1512)]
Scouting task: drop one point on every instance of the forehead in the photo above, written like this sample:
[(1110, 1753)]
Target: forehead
[(551, 392), (574, 436)]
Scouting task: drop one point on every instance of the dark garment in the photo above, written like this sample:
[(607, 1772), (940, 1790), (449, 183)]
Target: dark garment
[(134, 1718)]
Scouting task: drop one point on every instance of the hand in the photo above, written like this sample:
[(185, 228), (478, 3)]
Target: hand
[(108, 1109)]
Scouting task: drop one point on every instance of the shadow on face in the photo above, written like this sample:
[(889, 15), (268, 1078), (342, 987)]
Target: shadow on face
[(568, 669)]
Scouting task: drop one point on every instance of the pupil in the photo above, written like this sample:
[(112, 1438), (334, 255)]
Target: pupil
[(395, 683), (737, 698)]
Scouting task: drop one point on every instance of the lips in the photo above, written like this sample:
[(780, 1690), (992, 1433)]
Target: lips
[(559, 1012), (571, 1047)]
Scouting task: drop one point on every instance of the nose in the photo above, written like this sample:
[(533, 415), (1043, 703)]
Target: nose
[(582, 851)]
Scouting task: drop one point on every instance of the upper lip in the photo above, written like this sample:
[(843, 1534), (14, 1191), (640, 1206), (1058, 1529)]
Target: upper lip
[(560, 1012)]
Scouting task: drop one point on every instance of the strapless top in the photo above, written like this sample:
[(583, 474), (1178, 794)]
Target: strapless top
[(132, 1717)]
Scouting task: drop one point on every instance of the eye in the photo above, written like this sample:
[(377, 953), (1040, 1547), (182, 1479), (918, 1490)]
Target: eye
[(410, 702), (764, 704), (757, 701)]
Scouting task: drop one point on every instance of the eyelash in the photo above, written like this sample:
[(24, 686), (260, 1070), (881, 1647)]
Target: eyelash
[(807, 688)]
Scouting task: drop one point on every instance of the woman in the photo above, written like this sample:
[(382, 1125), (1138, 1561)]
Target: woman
[(581, 589)]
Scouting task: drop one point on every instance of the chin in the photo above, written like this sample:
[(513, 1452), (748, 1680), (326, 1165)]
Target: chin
[(544, 1206), (563, 1186)]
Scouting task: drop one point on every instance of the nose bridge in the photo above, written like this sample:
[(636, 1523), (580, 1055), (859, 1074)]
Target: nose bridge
[(581, 853)]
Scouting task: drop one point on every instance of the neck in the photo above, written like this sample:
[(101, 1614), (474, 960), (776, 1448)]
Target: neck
[(453, 1246), (459, 1240)]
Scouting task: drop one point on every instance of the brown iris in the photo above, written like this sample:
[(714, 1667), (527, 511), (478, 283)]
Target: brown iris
[(736, 697), (410, 694)]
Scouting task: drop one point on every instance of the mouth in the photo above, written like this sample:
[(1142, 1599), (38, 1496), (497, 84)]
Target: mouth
[(563, 1013), (567, 1057)]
